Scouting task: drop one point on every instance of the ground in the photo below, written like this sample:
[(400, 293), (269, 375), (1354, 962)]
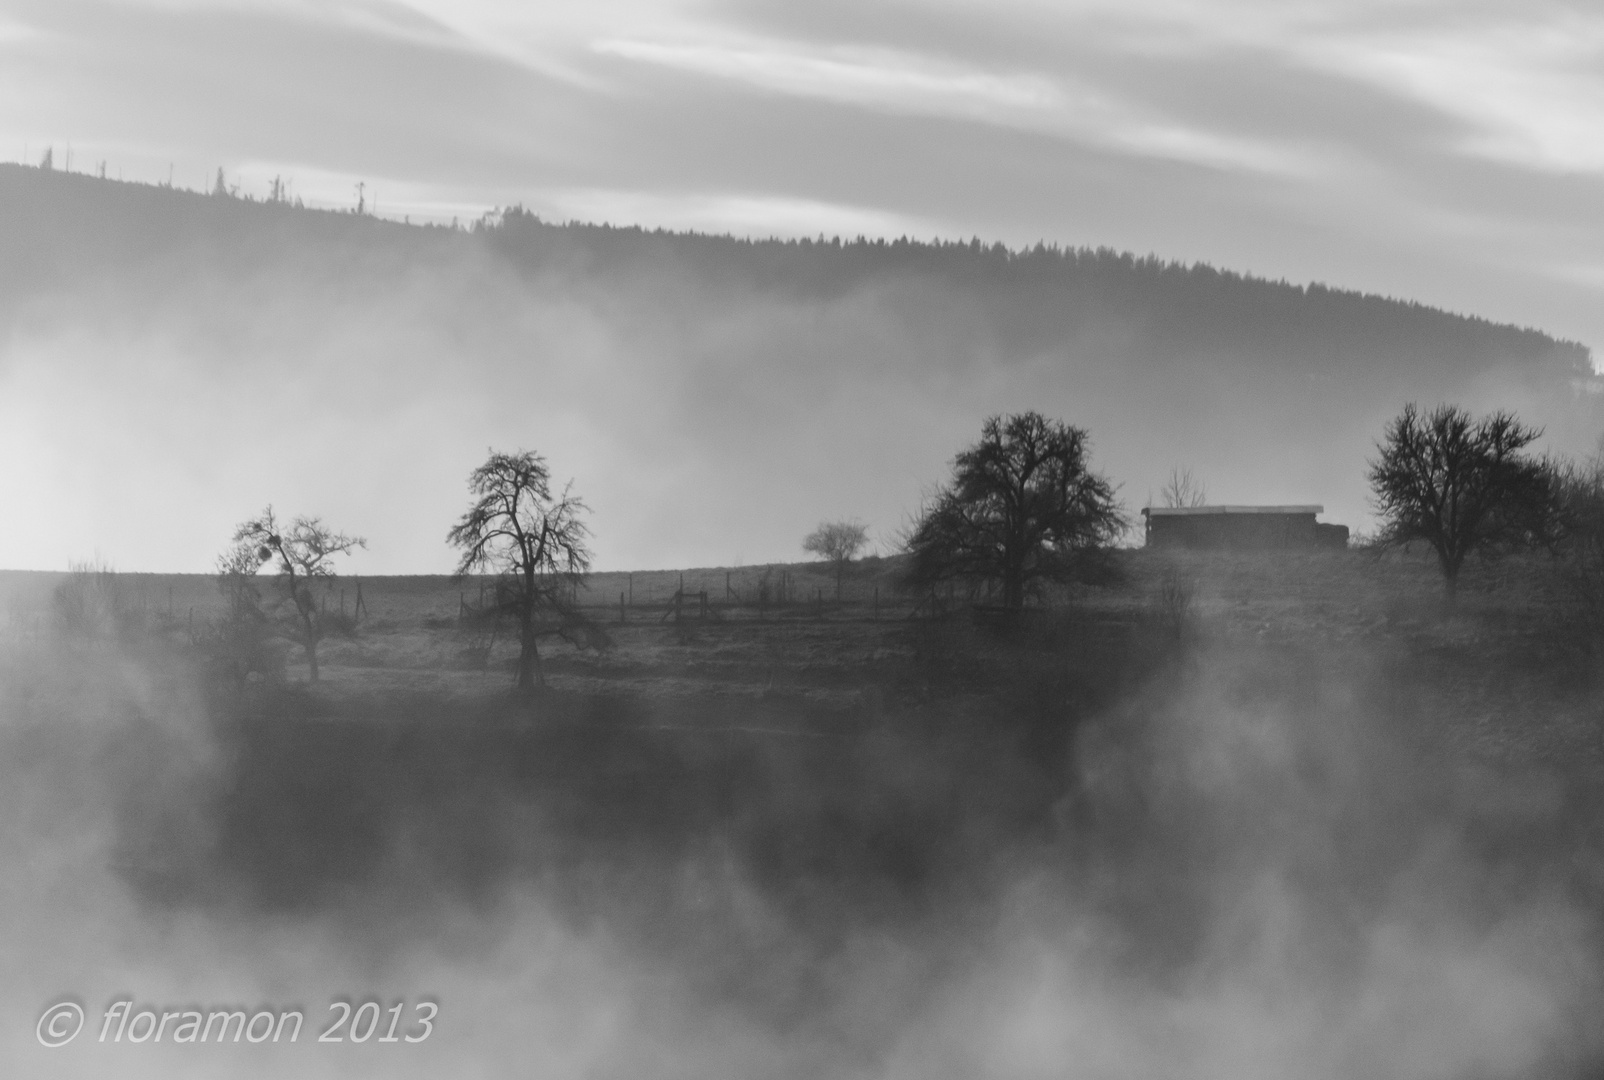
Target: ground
[(1215, 785), (1503, 673)]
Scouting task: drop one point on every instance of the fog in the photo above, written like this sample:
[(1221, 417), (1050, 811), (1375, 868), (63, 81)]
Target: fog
[(170, 363), (1222, 860)]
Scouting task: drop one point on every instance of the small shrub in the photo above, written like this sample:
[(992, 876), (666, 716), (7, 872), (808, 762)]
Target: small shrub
[(238, 652), (1175, 603), (90, 603)]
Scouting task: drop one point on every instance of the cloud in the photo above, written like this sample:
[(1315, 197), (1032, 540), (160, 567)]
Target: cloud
[(1532, 91), (907, 83), (882, 78)]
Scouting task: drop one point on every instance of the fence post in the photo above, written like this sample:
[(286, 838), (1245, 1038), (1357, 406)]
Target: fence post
[(621, 609), (877, 602)]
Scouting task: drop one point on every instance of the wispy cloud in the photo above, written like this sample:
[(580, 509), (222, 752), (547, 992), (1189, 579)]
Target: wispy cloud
[(896, 81), (911, 84), (1531, 91), (12, 33), (1526, 79)]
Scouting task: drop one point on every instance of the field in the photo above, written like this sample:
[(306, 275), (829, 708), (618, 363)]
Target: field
[(820, 837), (1477, 668)]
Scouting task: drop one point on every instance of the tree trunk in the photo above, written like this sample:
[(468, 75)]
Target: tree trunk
[(304, 603), (1013, 590), (528, 655), (1450, 578), (529, 673)]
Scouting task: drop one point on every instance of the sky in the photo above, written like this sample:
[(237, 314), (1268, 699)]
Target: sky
[(1445, 152)]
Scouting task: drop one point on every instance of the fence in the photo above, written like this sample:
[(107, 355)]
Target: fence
[(748, 594), (770, 594)]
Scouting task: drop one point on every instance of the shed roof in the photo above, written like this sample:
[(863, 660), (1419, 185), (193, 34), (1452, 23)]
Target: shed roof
[(1180, 511)]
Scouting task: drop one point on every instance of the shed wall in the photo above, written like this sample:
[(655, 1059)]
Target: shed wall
[(1253, 532)]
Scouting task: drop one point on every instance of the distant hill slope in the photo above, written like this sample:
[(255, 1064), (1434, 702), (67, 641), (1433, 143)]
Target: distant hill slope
[(713, 397)]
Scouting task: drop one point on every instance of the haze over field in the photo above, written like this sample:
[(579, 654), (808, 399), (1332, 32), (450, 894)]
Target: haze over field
[(170, 362)]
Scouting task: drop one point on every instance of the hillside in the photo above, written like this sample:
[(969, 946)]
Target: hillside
[(713, 398)]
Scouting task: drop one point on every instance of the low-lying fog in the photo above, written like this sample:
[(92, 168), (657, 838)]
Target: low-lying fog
[(1235, 867)]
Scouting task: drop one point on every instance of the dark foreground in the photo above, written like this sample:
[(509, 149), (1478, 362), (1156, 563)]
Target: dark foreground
[(1309, 822)]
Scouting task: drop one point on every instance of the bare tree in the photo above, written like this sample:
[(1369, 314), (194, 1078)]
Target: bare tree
[(838, 542), (1578, 491), (236, 580), (239, 644), (1183, 489), (1459, 485), (1023, 507), (303, 556), (536, 543)]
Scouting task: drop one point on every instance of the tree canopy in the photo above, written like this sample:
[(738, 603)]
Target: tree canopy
[(1022, 508), (1459, 485), (837, 542)]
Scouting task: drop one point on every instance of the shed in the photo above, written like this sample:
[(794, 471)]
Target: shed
[(1241, 528)]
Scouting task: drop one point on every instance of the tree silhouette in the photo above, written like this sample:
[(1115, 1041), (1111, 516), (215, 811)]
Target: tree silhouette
[(1182, 489), (838, 542), (1578, 491), (1022, 508), (303, 554), (535, 543), (1459, 485)]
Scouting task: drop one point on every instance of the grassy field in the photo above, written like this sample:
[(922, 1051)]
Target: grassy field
[(1476, 672)]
